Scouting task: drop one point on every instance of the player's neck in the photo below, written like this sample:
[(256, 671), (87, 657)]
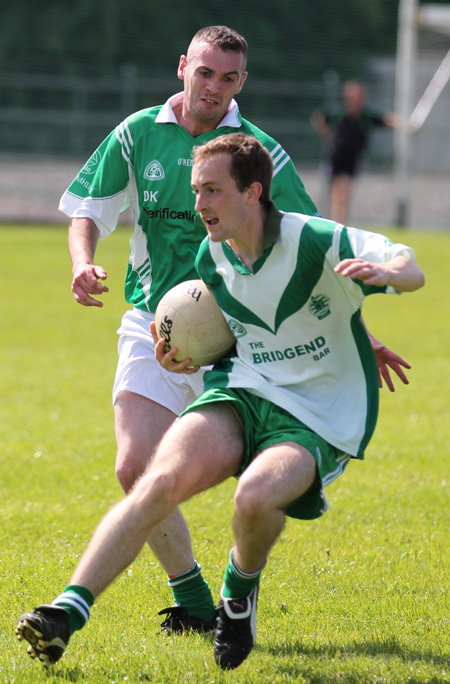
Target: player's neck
[(191, 124), (249, 242)]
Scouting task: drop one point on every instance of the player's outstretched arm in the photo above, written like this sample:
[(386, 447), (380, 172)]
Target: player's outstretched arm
[(400, 273), (83, 239)]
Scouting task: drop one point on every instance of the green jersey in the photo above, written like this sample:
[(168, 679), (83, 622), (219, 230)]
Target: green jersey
[(145, 164), (299, 339)]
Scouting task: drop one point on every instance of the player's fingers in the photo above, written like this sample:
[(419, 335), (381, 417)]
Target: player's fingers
[(345, 263), (90, 280), (154, 333), (361, 272), (179, 366), (168, 361), (395, 358), (86, 300), (91, 284), (161, 353), (100, 273), (384, 370), (399, 371), (98, 288)]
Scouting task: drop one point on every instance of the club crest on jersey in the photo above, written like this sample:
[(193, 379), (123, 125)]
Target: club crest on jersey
[(92, 163), (154, 171), (236, 328), (319, 305)]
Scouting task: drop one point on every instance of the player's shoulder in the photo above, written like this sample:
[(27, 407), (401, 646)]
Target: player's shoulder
[(293, 220), (141, 120), (136, 129), (267, 140), (280, 158), (314, 229)]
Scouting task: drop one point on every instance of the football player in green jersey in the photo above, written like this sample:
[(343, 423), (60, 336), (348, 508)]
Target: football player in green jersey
[(145, 163), (285, 414)]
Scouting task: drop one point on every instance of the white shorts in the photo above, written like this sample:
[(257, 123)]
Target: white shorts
[(138, 371)]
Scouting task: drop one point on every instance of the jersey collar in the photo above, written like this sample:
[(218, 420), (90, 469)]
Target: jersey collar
[(166, 114), (272, 226)]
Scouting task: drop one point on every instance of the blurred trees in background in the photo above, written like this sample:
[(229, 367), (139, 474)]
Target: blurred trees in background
[(287, 38), (69, 72)]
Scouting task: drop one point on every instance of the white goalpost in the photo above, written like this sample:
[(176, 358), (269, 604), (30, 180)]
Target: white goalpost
[(412, 17), (430, 96)]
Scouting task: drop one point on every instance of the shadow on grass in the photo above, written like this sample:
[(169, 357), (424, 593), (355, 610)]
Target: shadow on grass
[(388, 648)]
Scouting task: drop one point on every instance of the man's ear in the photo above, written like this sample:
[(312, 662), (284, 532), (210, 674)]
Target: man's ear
[(181, 67), (254, 192), (242, 81)]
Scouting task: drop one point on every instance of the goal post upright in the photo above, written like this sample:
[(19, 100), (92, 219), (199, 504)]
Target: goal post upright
[(404, 87), (413, 15)]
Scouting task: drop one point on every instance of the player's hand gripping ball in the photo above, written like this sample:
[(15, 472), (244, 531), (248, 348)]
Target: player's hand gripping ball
[(189, 318)]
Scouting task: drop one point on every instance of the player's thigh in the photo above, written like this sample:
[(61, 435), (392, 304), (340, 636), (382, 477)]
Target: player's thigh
[(140, 424), (277, 476), (202, 448)]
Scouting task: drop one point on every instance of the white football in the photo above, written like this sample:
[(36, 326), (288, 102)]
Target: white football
[(189, 318)]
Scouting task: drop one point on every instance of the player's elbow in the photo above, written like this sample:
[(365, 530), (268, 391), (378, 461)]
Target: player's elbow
[(421, 280), (414, 280)]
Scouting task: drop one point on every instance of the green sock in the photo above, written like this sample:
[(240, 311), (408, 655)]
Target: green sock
[(192, 592), (77, 600), (238, 584)]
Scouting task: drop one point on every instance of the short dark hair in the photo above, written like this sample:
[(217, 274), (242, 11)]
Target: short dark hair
[(250, 161), (225, 38)]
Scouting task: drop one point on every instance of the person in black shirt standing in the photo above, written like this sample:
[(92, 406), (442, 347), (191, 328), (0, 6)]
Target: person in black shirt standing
[(346, 132)]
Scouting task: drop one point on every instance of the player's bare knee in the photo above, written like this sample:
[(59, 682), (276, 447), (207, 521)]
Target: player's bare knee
[(250, 500), (128, 471), (159, 490)]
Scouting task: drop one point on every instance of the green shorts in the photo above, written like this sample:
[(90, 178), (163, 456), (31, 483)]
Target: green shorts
[(265, 424)]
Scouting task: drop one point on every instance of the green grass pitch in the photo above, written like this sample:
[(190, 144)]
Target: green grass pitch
[(358, 597)]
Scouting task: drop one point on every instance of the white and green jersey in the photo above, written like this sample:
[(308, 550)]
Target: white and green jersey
[(299, 338), (146, 163)]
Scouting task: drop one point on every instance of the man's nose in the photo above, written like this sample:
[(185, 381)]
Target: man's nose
[(213, 85), (199, 201)]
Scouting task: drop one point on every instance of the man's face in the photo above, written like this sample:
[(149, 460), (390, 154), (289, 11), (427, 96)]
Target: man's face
[(222, 206), (354, 97), (212, 77)]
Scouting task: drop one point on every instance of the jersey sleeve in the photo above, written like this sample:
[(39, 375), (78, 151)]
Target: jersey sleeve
[(100, 191), (352, 243)]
